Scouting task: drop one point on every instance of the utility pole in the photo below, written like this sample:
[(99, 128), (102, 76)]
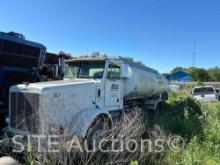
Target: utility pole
[(194, 54)]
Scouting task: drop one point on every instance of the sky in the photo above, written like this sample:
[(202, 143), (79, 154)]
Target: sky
[(159, 33)]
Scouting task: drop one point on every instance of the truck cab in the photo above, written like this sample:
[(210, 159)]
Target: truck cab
[(91, 87), (106, 73)]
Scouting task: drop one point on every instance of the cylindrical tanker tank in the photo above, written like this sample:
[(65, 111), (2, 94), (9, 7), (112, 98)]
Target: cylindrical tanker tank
[(141, 81)]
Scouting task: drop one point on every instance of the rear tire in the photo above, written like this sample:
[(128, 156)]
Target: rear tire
[(160, 107)]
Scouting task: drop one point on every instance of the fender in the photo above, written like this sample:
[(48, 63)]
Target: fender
[(84, 119)]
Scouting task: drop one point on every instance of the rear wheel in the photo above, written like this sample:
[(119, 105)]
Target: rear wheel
[(161, 106)]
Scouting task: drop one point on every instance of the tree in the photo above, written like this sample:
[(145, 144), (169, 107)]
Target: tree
[(214, 74), (179, 68), (199, 74), (130, 59), (67, 56)]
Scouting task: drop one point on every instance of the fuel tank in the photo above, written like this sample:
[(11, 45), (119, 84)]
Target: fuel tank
[(141, 81)]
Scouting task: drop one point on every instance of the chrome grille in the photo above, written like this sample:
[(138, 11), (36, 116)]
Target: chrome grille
[(24, 111)]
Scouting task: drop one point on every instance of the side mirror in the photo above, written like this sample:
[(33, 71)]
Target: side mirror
[(124, 71), (217, 90)]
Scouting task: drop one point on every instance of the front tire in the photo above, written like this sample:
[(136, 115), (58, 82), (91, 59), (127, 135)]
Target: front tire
[(97, 131)]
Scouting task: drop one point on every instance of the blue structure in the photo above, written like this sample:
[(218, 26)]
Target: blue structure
[(179, 76)]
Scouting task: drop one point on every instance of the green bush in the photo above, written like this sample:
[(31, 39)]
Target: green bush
[(199, 124)]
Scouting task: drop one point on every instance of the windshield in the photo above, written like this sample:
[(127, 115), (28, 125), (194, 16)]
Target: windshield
[(204, 90), (85, 69)]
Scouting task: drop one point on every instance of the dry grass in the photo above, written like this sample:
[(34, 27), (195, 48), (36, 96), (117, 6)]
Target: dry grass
[(129, 127)]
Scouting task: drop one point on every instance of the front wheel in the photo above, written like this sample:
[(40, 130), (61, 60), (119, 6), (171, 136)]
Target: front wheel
[(97, 131)]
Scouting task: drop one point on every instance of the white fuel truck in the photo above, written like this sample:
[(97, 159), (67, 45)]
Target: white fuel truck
[(94, 89)]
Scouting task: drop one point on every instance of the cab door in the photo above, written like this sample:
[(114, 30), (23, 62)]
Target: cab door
[(113, 86)]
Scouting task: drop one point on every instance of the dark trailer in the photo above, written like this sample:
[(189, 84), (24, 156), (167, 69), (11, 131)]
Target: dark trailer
[(20, 61)]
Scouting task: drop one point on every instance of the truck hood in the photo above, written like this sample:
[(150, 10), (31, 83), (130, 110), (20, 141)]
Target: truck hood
[(51, 84), (61, 105)]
